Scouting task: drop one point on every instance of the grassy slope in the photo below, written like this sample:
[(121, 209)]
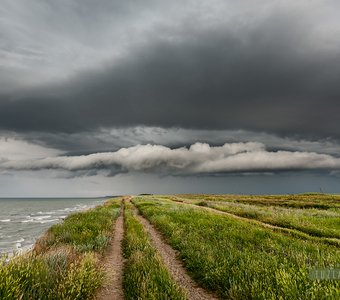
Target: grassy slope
[(84, 231), (145, 275), (321, 223), (64, 263), (318, 201), (241, 260)]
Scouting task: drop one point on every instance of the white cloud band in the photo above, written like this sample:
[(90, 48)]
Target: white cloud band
[(199, 158)]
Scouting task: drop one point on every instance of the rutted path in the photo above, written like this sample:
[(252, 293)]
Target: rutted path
[(333, 241), (173, 264), (114, 263)]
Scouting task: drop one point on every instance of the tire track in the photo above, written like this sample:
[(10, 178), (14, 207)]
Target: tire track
[(291, 231), (174, 265), (114, 263)]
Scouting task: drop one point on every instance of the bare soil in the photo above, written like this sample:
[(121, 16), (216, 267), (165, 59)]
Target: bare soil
[(113, 262)]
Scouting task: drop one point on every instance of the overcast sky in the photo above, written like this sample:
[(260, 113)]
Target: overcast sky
[(115, 97)]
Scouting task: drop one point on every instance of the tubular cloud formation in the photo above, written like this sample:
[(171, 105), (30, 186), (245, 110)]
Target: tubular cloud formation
[(199, 158)]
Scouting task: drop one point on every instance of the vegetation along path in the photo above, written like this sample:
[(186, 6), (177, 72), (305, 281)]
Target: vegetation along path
[(114, 263), (290, 231), (174, 265)]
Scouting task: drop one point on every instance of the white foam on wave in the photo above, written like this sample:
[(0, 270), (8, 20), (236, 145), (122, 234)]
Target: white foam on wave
[(49, 221), (30, 224), (28, 221), (35, 219), (65, 209), (46, 212), (18, 243), (41, 217)]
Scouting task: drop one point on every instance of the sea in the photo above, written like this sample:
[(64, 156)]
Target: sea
[(23, 220)]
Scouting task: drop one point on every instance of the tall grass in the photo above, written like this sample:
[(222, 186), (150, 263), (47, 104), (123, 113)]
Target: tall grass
[(311, 200), (84, 231), (240, 260), (50, 276), (145, 275), (315, 222), (65, 261)]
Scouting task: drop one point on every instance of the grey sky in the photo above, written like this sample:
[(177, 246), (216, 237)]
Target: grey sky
[(87, 77)]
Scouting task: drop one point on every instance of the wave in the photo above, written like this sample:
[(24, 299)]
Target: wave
[(49, 221), (41, 217), (29, 222)]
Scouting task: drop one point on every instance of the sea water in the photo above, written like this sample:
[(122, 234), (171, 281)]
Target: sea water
[(23, 220)]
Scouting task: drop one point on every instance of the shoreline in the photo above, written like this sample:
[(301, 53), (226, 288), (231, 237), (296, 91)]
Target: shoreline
[(21, 228)]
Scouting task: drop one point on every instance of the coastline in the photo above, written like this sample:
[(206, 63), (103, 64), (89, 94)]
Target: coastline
[(63, 263), (24, 220)]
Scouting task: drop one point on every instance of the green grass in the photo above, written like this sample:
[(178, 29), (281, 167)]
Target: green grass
[(320, 223), (145, 275), (240, 260), (50, 276), (84, 231), (310, 200), (236, 259), (65, 261)]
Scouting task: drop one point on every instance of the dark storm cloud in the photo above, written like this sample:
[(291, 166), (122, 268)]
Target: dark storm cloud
[(106, 140), (262, 79), (274, 73)]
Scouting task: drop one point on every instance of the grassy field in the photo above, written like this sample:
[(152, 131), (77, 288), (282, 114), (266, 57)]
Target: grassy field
[(321, 223), (85, 231), (241, 260), (226, 243), (145, 276), (308, 200), (324, 222), (65, 261)]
